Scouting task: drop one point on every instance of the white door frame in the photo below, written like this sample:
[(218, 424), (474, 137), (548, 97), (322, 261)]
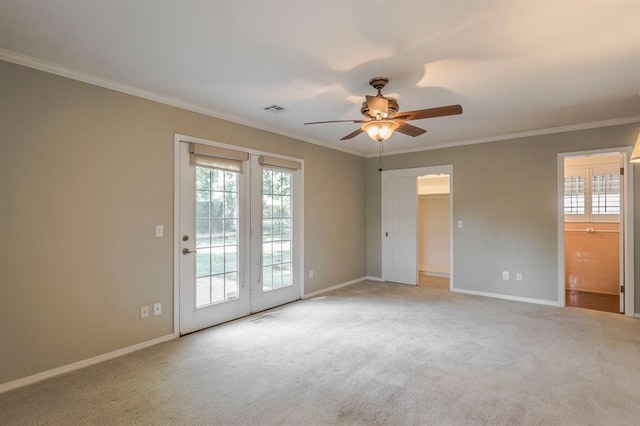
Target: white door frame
[(298, 227), (629, 284), (446, 169)]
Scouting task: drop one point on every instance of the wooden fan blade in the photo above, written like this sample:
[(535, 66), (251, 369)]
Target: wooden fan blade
[(429, 113), (352, 134), (336, 121), (378, 105), (410, 130)]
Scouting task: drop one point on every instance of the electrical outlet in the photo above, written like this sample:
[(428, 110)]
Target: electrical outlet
[(144, 312), (505, 275), (311, 273), (518, 276), (157, 308)]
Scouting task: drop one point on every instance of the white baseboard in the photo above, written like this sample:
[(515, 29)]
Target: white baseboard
[(374, 279), (334, 287), (5, 387), (507, 297), (637, 315)]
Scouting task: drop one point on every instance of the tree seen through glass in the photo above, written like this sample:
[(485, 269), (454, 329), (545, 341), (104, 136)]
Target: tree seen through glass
[(216, 236), (276, 229)]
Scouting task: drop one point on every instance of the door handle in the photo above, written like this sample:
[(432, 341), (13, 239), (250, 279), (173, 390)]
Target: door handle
[(187, 251)]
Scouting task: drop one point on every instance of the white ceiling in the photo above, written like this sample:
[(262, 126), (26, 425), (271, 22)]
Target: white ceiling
[(516, 66)]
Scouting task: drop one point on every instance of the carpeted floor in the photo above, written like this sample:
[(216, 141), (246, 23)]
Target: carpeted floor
[(371, 353)]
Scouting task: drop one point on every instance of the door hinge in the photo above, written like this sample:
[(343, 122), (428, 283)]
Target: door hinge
[(621, 289), (621, 170)]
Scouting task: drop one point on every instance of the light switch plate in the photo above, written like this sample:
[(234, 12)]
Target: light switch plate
[(460, 224), (144, 312), (157, 308), (159, 231)]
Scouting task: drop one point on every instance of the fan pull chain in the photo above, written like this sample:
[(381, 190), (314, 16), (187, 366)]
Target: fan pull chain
[(380, 159)]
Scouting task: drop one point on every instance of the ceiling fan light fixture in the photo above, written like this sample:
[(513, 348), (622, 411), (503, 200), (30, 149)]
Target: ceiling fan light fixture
[(380, 130)]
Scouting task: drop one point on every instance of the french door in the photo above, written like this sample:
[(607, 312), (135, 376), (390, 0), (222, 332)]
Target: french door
[(239, 234)]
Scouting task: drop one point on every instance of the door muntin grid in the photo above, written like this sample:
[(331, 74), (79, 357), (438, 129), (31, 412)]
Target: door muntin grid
[(277, 225), (217, 228)]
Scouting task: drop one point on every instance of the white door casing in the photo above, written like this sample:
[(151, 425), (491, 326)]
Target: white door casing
[(399, 219), (626, 226)]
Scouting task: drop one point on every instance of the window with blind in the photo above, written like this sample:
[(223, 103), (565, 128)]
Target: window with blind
[(592, 194), (605, 194)]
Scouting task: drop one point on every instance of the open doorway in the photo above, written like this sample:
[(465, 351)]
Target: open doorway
[(592, 232), (596, 231), (434, 230), (400, 226)]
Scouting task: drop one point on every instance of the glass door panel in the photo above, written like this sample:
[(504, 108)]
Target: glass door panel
[(276, 226), (216, 236)]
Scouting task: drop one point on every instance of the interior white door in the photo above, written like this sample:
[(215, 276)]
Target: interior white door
[(213, 245), (399, 223), (276, 208)]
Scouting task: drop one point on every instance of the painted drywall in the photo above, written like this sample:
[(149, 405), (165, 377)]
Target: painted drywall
[(433, 233), (85, 175), (506, 194), (433, 184)]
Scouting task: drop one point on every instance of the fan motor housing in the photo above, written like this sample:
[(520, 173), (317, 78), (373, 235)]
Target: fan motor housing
[(391, 109)]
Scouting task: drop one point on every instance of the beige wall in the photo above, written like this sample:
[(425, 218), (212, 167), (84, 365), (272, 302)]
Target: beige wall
[(433, 233), (85, 174), (506, 194)]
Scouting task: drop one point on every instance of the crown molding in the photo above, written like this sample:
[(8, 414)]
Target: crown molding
[(538, 132), (31, 62)]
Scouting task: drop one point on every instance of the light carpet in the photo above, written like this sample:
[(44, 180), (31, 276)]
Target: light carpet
[(368, 354)]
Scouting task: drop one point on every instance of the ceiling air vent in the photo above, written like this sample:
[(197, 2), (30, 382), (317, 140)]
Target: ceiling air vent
[(275, 109)]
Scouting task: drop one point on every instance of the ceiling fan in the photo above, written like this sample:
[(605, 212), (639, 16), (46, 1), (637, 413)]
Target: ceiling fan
[(384, 118)]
